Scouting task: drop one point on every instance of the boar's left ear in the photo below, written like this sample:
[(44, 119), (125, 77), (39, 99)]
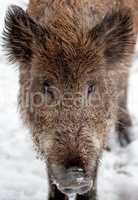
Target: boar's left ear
[(116, 35), (19, 34)]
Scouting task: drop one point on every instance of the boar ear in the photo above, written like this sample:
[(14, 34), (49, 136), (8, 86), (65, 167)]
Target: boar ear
[(116, 34), (19, 34)]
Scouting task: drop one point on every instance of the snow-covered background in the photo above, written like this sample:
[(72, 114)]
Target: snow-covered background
[(23, 177)]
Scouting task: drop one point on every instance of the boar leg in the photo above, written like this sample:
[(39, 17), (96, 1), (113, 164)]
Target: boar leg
[(124, 122), (55, 194), (123, 128)]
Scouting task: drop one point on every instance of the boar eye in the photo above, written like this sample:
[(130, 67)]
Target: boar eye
[(47, 89), (91, 88)]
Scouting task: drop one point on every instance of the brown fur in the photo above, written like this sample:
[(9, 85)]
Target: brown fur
[(99, 8), (133, 4), (76, 47)]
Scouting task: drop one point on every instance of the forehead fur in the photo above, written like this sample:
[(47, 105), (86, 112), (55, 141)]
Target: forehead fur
[(69, 51), (109, 42)]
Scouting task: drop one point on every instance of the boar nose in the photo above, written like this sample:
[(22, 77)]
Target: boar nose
[(74, 182)]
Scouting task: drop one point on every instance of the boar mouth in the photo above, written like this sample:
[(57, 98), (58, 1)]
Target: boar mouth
[(76, 187), (74, 181)]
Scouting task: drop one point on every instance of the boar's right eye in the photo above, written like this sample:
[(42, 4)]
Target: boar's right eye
[(47, 89), (91, 88)]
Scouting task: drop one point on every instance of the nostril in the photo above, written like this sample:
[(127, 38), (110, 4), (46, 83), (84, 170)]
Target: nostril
[(75, 173), (75, 170)]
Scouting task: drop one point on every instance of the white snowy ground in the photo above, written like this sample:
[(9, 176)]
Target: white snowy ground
[(22, 176)]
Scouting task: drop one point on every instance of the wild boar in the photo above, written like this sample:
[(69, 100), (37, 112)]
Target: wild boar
[(74, 58)]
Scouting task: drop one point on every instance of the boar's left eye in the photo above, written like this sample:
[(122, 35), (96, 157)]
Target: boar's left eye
[(47, 90), (91, 88)]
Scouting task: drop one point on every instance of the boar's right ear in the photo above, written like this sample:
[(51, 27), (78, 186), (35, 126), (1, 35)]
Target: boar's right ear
[(19, 34)]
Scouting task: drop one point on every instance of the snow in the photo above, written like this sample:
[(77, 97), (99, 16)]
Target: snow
[(23, 177)]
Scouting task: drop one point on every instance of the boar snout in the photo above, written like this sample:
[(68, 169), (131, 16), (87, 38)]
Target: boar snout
[(73, 181), (73, 160)]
